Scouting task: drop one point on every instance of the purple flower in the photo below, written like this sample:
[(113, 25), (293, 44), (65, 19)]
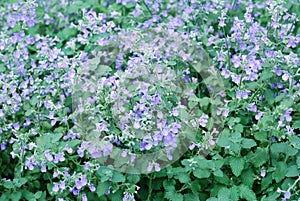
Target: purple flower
[(263, 173), (80, 182), (288, 116), (55, 188), (258, 115), (68, 149), (285, 76), (60, 157), (16, 126), (48, 156), (86, 166), (170, 140), (127, 197), (278, 71), (252, 107), (27, 122), (289, 130), (31, 145), (84, 197), (108, 191), (287, 195), (236, 61), (62, 185), (203, 120), (44, 167), (92, 188)]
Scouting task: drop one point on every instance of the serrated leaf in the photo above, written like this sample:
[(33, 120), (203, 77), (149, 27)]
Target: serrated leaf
[(283, 148), (9, 184), (295, 141), (183, 177), (196, 187), (116, 196), (237, 165), (15, 196), (102, 188), (269, 95), (118, 177), (234, 193), (224, 194), (190, 196), (260, 157), (261, 136), (4, 197), (280, 171), (292, 171), (247, 177), (38, 194), (218, 173), (265, 183), (296, 124), (247, 193), (248, 143), (239, 128), (298, 161), (28, 195), (201, 173)]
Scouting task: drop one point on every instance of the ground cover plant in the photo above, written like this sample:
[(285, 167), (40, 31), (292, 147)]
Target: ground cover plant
[(149, 100)]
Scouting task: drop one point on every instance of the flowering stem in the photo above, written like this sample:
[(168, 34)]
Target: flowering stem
[(150, 189), (147, 7)]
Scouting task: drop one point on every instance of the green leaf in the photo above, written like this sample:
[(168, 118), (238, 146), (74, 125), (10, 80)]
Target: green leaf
[(283, 148), (224, 194), (172, 63), (133, 178), (102, 188), (15, 196), (265, 183), (201, 173), (67, 33), (174, 196), (261, 136), (218, 173), (34, 100), (118, 177), (193, 197), (29, 112), (239, 128), (296, 124), (28, 195), (292, 171), (9, 184), (247, 177), (4, 196), (183, 177), (269, 95), (298, 161), (295, 141), (260, 157), (265, 75), (280, 171), (237, 165), (204, 102), (234, 193), (55, 137), (248, 143), (247, 193), (38, 194), (116, 196)]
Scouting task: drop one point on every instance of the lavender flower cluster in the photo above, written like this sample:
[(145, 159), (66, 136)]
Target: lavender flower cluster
[(92, 89)]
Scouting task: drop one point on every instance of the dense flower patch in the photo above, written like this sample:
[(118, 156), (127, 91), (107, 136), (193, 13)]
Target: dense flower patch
[(149, 100)]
